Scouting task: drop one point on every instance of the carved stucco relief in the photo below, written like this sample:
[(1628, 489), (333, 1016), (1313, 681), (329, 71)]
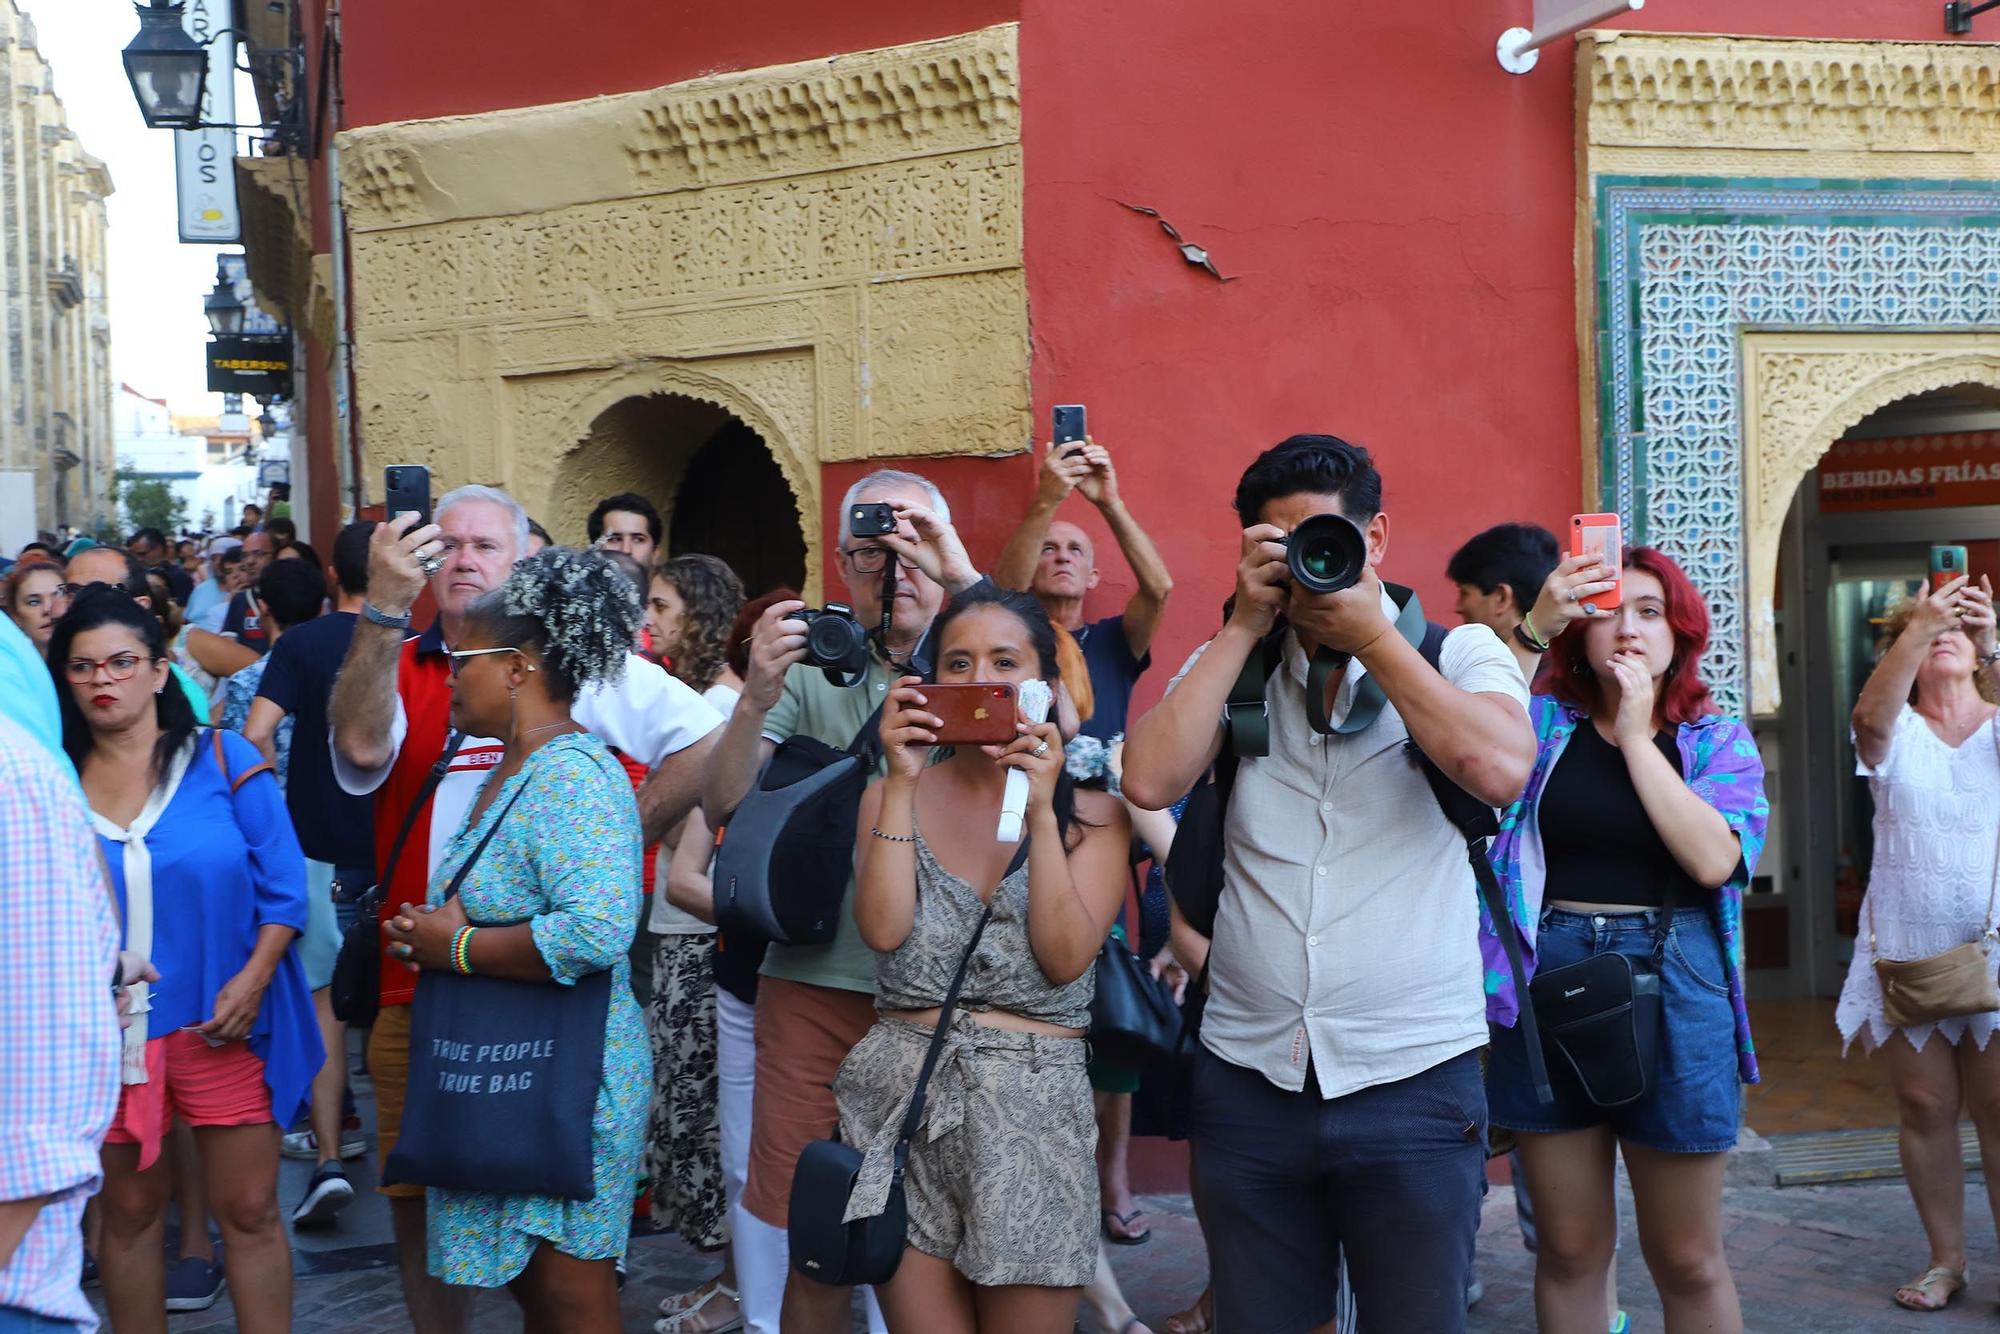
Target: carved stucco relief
[(829, 251), (1692, 93), (1802, 392)]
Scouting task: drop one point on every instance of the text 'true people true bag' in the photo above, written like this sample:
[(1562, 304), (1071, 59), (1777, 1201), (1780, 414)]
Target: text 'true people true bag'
[(503, 1078)]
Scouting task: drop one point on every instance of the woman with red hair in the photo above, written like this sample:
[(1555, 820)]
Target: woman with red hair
[(1636, 835)]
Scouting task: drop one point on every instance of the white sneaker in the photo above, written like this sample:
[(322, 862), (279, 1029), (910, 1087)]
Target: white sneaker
[(303, 1144)]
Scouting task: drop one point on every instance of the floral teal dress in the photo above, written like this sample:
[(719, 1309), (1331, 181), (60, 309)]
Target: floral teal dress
[(566, 861)]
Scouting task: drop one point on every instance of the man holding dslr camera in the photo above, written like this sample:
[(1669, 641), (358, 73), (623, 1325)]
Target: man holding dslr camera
[(816, 1001), (1337, 1096)]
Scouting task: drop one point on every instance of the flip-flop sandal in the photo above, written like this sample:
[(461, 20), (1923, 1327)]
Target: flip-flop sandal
[(1952, 1281), (1124, 1221)]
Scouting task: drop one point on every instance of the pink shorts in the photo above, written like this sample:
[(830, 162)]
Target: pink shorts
[(200, 1084)]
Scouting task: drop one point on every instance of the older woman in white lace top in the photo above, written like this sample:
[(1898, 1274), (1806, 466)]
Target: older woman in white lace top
[(1925, 736)]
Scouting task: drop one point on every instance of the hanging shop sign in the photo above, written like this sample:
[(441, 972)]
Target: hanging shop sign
[(1911, 472), (256, 364), (205, 160)]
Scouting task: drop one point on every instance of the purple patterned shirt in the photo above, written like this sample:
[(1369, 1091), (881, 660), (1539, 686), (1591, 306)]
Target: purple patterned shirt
[(59, 1036), (1720, 759)]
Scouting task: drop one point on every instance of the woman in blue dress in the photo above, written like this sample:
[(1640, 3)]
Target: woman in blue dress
[(562, 871), (211, 885)]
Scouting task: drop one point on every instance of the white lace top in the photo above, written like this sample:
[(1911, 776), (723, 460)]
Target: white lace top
[(1937, 820)]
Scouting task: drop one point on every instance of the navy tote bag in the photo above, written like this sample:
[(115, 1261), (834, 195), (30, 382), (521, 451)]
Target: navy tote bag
[(503, 1079)]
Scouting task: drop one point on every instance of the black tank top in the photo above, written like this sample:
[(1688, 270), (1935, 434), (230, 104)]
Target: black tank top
[(1598, 841)]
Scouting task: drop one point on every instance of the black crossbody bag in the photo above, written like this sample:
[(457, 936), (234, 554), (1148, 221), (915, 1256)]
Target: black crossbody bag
[(1601, 1018), (868, 1250), (357, 970)]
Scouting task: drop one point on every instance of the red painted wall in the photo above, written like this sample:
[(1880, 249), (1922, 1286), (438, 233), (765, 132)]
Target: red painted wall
[(413, 58), (1396, 215)]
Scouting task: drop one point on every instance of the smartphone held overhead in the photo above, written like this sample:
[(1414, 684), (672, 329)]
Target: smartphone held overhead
[(1947, 564), (1069, 427), (406, 489), (1602, 536)]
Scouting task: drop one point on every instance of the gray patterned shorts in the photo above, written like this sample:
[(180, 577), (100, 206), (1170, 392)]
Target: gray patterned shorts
[(1002, 1179)]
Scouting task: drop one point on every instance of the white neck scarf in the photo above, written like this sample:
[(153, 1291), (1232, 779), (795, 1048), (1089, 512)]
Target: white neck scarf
[(138, 863)]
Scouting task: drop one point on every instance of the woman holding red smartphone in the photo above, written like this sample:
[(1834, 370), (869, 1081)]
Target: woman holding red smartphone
[(1002, 1180), (1636, 835)]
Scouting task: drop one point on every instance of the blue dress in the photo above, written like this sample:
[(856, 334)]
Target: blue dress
[(223, 868), (567, 861)]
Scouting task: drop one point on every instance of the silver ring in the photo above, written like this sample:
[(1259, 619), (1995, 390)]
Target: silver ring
[(430, 565), (1569, 594), (1590, 609), (1040, 750)]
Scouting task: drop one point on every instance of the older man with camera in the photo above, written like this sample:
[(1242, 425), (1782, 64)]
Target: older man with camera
[(1337, 1096), (816, 1001)]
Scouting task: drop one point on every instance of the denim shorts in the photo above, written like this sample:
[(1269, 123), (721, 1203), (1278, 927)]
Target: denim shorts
[(1695, 1104)]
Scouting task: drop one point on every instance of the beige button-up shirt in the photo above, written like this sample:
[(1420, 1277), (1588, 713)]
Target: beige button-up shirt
[(1347, 935)]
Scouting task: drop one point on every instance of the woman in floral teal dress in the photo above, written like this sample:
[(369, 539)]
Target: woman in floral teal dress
[(563, 869)]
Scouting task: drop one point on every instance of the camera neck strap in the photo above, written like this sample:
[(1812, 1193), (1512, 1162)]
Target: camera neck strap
[(1368, 700)]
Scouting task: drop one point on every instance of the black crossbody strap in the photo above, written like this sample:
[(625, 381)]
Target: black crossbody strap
[(465, 867), (417, 804), (915, 1116), (1510, 941)]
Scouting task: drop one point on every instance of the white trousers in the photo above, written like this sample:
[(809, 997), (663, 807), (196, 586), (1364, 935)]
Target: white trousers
[(763, 1255)]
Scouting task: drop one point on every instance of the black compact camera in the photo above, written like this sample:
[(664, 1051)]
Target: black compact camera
[(1326, 553), (836, 642), (871, 520)]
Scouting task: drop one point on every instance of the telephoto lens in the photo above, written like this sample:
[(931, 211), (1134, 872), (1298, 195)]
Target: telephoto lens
[(835, 641), (1326, 553)]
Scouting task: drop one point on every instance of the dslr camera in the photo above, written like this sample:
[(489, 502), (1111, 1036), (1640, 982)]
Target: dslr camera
[(836, 642), (1326, 553)]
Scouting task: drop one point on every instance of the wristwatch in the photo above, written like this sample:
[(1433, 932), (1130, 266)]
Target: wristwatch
[(376, 616)]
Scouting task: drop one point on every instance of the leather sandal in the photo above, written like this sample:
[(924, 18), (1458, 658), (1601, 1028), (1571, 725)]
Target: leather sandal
[(684, 1321), (1926, 1288)]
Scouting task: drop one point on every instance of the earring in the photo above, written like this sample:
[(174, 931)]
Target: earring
[(158, 690)]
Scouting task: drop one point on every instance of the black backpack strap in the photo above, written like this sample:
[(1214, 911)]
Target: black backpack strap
[(1475, 820)]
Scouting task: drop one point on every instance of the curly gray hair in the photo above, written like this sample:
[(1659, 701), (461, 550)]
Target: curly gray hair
[(575, 608)]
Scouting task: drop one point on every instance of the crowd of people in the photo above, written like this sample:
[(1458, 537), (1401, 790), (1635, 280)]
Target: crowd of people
[(463, 786)]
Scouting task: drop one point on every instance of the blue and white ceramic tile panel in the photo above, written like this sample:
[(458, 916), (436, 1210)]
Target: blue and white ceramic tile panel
[(1684, 266)]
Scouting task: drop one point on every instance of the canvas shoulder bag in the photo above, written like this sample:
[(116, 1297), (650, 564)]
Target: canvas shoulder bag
[(1943, 986), (503, 1078)]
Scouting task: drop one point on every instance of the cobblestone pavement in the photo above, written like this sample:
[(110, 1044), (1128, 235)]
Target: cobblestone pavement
[(1820, 1259)]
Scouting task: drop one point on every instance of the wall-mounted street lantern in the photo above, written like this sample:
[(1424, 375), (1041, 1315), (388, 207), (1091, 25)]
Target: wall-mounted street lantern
[(223, 308), (167, 68)]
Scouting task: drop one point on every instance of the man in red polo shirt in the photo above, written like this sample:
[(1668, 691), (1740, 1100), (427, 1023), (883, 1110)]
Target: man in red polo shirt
[(391, 712)]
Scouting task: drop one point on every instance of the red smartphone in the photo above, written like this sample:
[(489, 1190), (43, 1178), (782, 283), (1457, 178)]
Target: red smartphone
[(976, 713), (1603, 536), (1947, 563)]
